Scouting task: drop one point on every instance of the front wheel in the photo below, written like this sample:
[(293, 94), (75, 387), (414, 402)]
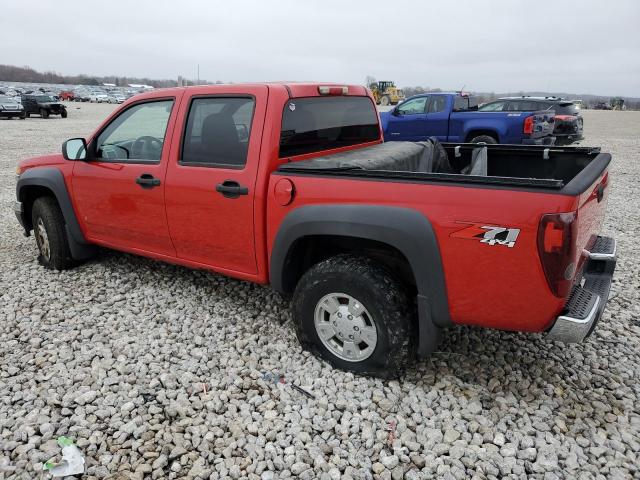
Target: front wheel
[(51, 238), (64, 114), (353, 313)]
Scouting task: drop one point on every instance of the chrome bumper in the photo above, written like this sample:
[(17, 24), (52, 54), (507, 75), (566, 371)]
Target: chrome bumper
[(588, 300)]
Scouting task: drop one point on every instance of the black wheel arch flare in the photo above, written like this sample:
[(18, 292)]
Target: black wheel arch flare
[(52, 179), (404, 229)]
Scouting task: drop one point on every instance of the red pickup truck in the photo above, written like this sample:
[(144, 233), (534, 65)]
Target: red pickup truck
[(382, 245)]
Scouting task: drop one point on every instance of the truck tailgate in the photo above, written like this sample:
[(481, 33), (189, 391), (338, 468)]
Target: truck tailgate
[(592, 204), (566, 239)]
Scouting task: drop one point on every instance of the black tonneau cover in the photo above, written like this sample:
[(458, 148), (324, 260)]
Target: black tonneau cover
[(420, 157)]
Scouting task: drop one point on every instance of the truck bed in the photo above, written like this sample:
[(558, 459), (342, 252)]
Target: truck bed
[(566, 170)]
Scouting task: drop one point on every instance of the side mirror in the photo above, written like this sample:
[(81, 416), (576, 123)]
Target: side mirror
[(396, 112), (74, 149)]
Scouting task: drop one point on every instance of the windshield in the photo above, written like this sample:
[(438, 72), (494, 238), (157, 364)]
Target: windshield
[(5, 99), (315, 124)]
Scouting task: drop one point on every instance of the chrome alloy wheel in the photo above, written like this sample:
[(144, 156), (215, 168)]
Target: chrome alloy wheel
[(345, 327), (42, 239)]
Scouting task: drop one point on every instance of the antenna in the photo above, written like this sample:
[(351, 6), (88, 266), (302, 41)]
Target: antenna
[(462, 89)]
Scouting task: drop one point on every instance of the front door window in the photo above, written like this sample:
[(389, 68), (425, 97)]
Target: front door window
[(136, 135)]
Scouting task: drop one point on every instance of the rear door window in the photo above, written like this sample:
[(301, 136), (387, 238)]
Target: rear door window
[(437, 104), (315, 124), (217, 132)]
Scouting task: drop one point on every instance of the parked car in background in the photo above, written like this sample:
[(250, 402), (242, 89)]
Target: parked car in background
[(568, 123), (43, 105), (602, 106), (454, 117), (10, 108), (82, 96), (99, 98), (67, 95), (116, 97)]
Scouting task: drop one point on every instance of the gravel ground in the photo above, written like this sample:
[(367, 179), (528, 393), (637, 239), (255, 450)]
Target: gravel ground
[(161, 372)]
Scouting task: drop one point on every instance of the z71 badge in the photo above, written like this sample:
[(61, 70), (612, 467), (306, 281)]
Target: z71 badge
[(489, 234)]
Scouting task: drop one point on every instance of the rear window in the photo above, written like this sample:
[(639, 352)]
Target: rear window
[(565, 108), (315, 124), (525, 106), (462, 103)]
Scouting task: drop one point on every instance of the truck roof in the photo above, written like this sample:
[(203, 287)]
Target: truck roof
[(295, 89)]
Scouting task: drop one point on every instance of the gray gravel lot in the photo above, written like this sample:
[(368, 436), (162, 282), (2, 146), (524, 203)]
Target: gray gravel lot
[(158, 371)]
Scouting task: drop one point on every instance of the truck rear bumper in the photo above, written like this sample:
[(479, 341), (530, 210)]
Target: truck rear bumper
[(588, 299)]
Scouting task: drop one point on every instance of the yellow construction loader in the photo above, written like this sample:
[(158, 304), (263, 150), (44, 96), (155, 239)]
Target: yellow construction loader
[(386, 93)]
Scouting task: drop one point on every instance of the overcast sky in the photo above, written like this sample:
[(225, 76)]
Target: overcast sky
[(580, 46)]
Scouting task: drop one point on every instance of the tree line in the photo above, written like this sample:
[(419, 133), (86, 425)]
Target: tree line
[(26, 74)]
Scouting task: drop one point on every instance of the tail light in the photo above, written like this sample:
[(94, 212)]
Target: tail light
[(528, 125), (557, 238)]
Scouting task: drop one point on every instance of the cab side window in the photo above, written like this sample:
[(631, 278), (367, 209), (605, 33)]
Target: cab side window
[(437, 104), (136, 135), (217, 132), (414, 106)]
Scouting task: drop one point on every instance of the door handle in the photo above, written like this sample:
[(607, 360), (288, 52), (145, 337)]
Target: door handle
[(231, 189), (146, 180)]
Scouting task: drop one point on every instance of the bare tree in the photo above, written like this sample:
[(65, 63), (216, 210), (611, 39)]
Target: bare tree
[(369, 80)]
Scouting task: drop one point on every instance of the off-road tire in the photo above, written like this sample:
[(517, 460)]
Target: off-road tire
[(385, 101), (46, 210), (63, 114), (23, 116), (44, 113), (488, 139), (368, 281)]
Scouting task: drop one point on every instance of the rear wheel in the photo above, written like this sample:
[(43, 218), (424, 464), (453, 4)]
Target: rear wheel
[(488, 139), (64, 114), (44, 113), (51, 238), (384, 100), (351, 312)]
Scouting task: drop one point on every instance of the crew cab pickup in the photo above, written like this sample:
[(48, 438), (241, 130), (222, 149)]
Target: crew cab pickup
[(454, 117), (381, 245)]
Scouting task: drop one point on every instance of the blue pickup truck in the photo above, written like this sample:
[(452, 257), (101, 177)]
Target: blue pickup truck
[(454, 117)]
